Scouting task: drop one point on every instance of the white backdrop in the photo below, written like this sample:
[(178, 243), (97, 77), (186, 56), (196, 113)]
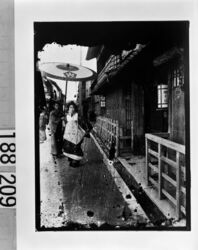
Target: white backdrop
[(26, 12)]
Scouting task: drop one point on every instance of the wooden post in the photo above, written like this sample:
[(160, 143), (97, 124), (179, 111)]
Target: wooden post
[(101, 130), (159, 172), (178, 187), (132, 135), (121, 141), (117, 139), (147, 167)]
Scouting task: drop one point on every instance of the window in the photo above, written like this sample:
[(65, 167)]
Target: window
[(162, 91), (102, 102), (178, 77)]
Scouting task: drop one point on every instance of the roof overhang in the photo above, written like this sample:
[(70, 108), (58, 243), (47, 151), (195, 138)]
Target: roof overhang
[(108, 77), (114, 35), (92, 52)]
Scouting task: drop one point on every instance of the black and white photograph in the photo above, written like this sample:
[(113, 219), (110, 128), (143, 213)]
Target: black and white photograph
[(98, 124), (112, 125)]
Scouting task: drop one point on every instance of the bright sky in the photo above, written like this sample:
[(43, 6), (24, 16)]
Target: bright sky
[(67, 54)]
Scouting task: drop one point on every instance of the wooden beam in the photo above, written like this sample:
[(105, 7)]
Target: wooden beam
[(173, 200), (183, 190), (170, 144), (132, 135), (178, 190), (166, 177), (167, 56), (153, 167), (168, 161), (147, 169), (117, 139), (153, 182), (159, 172), (152, 152), (183, 210)]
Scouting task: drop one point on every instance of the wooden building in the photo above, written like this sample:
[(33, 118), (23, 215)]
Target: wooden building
[(145, 90)]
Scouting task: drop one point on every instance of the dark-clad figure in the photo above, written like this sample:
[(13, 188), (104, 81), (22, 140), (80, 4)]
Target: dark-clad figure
[(43, 120), (55, 122)]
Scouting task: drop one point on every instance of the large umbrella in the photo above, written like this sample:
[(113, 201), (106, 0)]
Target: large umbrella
[(67, 72)]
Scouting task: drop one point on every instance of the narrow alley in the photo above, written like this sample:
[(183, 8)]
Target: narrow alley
[(87, 197)]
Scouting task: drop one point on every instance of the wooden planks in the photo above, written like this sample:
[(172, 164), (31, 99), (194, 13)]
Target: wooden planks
[(178, 165), (153, 167), (169, 161), (153, 182), (166, 177), (178, 187), (167, 143), (159, 172), (108, 131), (169, 197), (152, 152)]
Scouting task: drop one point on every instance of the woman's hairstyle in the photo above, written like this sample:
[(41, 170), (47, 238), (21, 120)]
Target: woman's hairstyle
[(73, 104)]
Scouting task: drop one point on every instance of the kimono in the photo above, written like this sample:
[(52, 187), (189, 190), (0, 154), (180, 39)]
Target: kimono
[(55, 124), (42, 126), (73, 138)]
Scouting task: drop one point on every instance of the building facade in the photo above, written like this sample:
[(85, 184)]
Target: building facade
[(146, 94)]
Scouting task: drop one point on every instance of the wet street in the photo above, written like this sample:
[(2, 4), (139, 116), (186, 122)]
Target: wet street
[(92, 196)]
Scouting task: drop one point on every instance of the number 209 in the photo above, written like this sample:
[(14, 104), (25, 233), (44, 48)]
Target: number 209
[(7, 191)]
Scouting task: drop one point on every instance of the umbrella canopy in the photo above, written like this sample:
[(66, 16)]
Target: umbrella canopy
[(67, 71)]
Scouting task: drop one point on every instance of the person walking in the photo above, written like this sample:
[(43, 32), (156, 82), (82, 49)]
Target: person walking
[(55, 123), (73, 136)]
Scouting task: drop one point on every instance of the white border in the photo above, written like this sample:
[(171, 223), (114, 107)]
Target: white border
[(26, 12)]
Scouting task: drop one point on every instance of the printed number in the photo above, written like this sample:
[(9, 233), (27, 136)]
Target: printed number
[(7, 200), (8, 159), (8, 181), (3, 188), (5, 147)]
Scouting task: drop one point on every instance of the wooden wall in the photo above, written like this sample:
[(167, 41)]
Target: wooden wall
[(130, 100), (177, 106), (126, 107), (138, 118), (115, 108), (177, 116)]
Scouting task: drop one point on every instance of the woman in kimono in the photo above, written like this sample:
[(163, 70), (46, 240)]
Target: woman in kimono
[(55, 122), (73, 136)]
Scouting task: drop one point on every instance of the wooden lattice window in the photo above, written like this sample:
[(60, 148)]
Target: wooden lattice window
[(162, 91), (177, 77)]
